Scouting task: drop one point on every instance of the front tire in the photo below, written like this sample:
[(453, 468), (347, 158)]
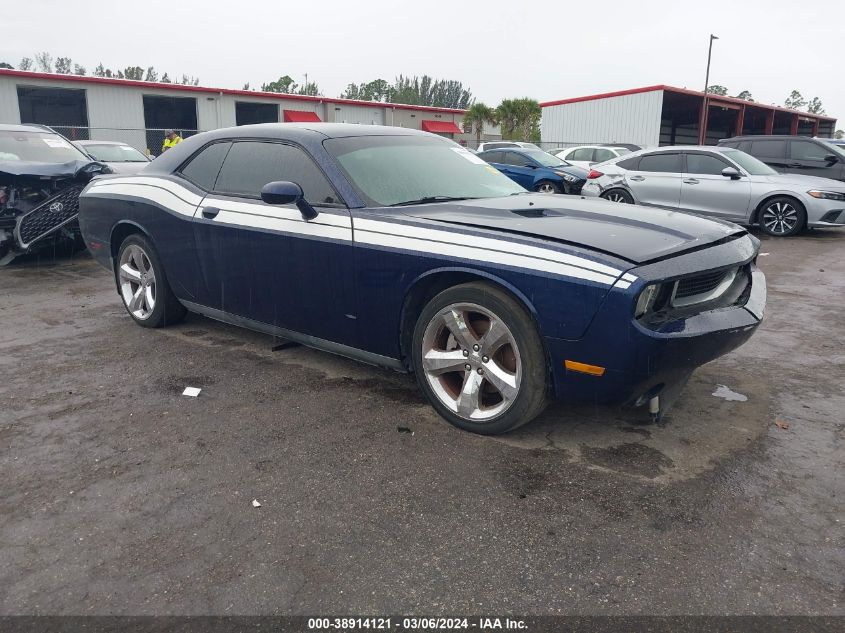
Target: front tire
[(547, 186), (479, 359), (618, 195), (143, 285), (782, 216)]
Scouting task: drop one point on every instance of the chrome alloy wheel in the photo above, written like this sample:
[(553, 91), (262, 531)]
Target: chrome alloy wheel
[(471, 361), (780, 218), (615, 196), (137, 281), (546, 187)]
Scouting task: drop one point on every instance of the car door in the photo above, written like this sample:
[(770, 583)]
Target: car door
[(582, 157), (657, 179), (519, 168), (266, 263), (809, 158), (705, 190), (771, 151)]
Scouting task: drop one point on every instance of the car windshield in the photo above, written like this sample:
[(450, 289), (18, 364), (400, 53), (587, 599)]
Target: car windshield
[(836, 150), (750, 164), (115, 153), (389, 170), (544, 158), (37, 147)]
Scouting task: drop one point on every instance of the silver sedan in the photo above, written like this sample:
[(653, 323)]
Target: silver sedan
[(721, 182)]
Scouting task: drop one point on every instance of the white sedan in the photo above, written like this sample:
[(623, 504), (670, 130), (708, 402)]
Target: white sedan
[(586, 155)]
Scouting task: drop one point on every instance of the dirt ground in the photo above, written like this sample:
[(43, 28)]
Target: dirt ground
[(121, 496)]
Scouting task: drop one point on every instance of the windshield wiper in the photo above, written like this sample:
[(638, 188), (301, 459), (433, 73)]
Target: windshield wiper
[(428, 199)]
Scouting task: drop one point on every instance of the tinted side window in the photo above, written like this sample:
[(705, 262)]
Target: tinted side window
[(252, 164), (629, 163), (805, 150), (204, 167), (492, 157), (515, 159), (584, 153), (775, 149), (670, 163), (601, 155), (704, 164)]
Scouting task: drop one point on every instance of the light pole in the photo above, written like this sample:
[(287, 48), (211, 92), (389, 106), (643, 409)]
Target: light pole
[(703, 133)]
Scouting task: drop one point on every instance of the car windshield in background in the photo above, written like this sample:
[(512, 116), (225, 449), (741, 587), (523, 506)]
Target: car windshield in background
[(116, 153), (836, 150), (622, 150), (37, 147), (750, 164), (389, 170), (544, 158)]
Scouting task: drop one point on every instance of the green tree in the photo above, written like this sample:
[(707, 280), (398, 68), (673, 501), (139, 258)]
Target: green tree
[(6, 65), (135, 73), (795, 101), (507, 114), (477, 115), (529, 118), (26, 63), (839, 134), (815, 106), (151, 74), (79, 70), (310, 88), (745, 95), (284, 84), (44, 61), (246, 86), (100, 70), (165, 78), (717, 90), (63, 65)]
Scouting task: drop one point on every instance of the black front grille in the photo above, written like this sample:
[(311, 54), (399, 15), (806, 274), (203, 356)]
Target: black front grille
[(48, 216), (699, 284)]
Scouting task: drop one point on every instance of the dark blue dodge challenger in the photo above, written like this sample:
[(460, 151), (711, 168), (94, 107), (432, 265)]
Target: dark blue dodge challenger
[(402, 249)]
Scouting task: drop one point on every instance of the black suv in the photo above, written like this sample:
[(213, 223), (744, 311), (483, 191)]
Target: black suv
[(793, 154)]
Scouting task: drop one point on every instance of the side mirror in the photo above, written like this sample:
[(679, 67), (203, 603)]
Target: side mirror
[(284, 192), (732, 173), (831, 159)]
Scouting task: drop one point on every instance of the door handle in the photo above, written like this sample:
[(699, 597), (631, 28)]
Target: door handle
[(637, 178), (795, 165), (210, 212), (692, 181)]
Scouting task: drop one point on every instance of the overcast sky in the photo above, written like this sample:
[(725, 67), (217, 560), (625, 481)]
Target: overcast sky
[(549, 50)]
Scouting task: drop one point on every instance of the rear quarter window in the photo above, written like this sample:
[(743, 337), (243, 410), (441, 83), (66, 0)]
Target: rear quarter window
[(203, 168), (629, 163), (772, 148)]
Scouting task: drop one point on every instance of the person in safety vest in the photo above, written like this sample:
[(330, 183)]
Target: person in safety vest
[(171, 138)]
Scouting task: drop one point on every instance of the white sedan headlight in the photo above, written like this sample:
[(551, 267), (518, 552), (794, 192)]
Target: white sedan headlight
[(826, 195)]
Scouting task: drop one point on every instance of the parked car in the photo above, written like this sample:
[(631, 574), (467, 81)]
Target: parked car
[(120, 157), (721, 182), (793, 154), (839, 142), (41, 176), (401, 249), (483, 147), (586, 155), (537, 170)]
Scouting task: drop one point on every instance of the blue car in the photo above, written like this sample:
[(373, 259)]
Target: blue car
[(537, 170), (402, 249)]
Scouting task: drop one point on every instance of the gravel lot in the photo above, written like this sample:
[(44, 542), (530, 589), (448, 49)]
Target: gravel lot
[(121, 496)]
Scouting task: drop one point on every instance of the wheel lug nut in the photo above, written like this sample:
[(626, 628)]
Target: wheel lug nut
[(476, 347), (468, 366), (466, 352), (480, 371), (484, 359)]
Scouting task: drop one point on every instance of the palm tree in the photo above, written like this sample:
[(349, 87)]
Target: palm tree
[(508, 116), (477, 115)]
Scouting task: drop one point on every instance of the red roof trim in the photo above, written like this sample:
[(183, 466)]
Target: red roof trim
[(226, 91), (301, 116), (713, 99), (444, 127)]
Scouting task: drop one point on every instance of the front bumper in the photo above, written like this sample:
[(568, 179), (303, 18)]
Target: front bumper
[(825, 213), (641, 362)]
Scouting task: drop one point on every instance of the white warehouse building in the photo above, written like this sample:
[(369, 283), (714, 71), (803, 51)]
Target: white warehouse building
[(138, 112), (664, 115)]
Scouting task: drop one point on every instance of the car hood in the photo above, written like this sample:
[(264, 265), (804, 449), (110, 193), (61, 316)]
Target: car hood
[(814, 182), (126, 168), (25, 168), (637, 234), (572, 170)]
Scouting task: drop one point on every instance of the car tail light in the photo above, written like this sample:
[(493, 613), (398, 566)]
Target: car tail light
[(594, 174)]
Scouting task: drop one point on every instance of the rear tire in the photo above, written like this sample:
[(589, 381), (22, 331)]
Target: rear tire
[(618, 195), (143, 285), (479, 359), (782, 216)]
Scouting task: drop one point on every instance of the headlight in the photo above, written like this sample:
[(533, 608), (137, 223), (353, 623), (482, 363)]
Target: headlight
[(827, 195), (646, 300), (566, 177)]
